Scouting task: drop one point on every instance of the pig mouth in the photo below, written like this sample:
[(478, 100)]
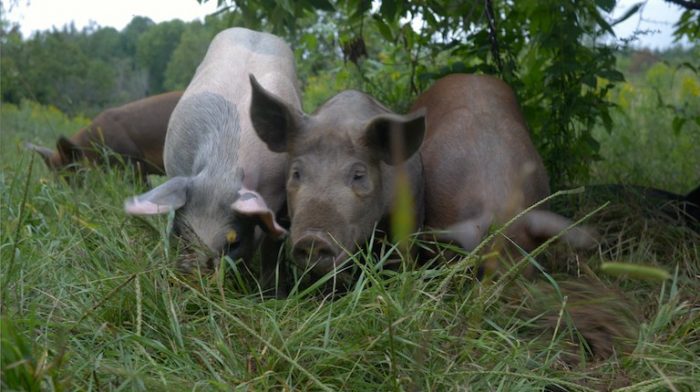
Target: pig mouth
[(320, 256)]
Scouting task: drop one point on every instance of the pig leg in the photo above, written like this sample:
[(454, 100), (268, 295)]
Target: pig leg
[(469, 233), (541, 225)]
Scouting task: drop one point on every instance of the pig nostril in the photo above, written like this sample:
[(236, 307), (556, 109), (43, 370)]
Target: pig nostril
[(302, 253), (313, 248), (325, 253)]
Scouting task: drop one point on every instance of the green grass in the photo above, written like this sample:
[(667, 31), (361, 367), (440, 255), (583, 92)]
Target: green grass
[(91, 301), (644, 148)]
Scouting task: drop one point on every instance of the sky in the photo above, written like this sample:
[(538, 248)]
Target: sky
[(657, 15), (33, 15)]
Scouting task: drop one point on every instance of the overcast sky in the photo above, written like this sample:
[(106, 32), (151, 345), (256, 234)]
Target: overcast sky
[(658, 16)]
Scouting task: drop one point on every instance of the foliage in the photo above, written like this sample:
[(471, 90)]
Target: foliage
[(187, 55), (688, 25), (648, 145), (86, 71), (154, 48)]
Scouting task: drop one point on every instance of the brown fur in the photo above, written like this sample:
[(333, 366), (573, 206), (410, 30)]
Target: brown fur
[(135, 131), (480, 166)]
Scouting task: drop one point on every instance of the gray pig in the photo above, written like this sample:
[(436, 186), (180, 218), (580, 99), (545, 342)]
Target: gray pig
[(223, 181)]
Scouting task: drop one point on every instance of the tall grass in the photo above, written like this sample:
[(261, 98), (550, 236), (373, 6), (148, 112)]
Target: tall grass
[(92, 301), (644, 148)]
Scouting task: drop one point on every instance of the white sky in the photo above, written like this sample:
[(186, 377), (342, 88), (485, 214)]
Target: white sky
[(33, 15), (657, 15)]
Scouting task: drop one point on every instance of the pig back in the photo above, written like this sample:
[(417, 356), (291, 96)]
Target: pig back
[(138, 128), (219, 98), (478, 157)]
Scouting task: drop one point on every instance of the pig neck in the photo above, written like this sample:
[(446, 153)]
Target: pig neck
[(217, 162)]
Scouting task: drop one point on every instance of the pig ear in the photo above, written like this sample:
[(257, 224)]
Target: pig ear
[(252, 205), (45, 153), (68, 150), (395, 138), (169, 196), (274, 121)]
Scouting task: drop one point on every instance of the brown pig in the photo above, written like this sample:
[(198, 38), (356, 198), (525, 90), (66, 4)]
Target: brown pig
[(480, 167), (134, 131)]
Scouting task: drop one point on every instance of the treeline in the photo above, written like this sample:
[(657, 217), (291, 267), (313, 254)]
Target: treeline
[(83, 71)]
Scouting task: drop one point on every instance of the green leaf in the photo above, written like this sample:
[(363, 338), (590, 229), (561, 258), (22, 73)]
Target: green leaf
[(362, 7), (323, 5), (687, 65), (589, 80), (637, 271), (631, 11), (677, 125), (606, 5), (384, 28), (388, 9), (612, 75), (603, 23)]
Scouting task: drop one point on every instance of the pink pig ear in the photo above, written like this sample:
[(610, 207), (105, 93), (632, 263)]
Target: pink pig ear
[(252, 205), (169, 196)]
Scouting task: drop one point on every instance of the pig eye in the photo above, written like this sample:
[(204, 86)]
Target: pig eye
[(358, 179), (358, 172), (358, 175), (295, 172)]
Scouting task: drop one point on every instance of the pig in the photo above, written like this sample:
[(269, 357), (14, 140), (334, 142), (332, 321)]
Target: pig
[(223, 183), (467, 174), (481, 167), (134, 131)]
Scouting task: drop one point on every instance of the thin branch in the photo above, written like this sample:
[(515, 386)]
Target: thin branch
[(491, 19), (687, 4)]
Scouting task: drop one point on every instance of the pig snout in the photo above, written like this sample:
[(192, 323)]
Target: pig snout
[(315, 252)]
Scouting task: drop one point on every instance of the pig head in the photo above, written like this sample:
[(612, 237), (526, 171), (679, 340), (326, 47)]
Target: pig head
[(341, 169), (134, 131)]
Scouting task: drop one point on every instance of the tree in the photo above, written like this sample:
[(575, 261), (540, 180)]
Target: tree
[(10, 60), (154, 48), (132, 32), (190, 51)]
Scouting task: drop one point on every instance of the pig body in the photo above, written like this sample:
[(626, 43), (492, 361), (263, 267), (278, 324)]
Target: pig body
[(223, 181), (134, 131), (481, 167)]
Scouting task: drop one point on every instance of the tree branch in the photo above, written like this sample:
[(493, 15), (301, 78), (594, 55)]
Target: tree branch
[(687, 4), (495, 52)]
